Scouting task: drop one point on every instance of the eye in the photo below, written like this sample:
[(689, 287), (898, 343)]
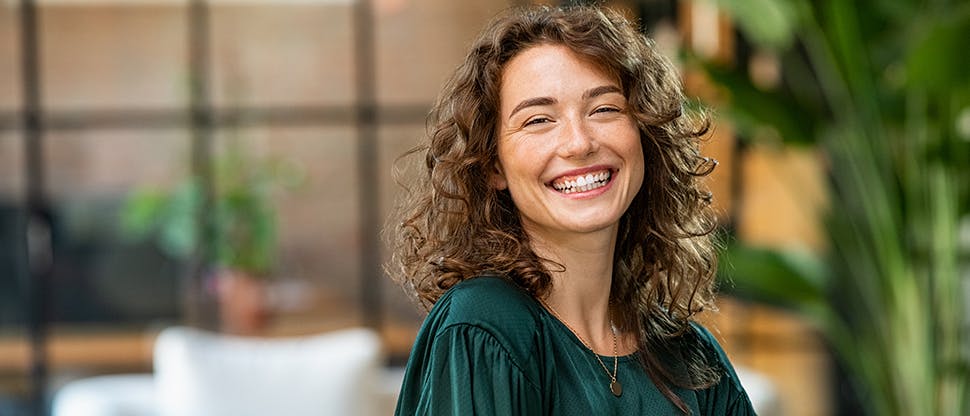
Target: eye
[(606, 109), (536, 120)]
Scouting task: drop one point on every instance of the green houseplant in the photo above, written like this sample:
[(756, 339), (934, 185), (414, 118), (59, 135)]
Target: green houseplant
[(880, 87), (241, 250)]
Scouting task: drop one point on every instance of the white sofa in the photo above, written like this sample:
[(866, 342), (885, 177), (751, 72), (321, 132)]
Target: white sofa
[(199, 373)]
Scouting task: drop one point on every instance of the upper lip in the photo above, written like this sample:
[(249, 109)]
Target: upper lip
[(581, 171)]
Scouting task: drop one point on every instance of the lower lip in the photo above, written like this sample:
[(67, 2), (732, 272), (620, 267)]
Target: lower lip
[(592, 193)]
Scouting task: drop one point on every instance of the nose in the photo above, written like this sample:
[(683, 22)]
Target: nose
[(577, 140)]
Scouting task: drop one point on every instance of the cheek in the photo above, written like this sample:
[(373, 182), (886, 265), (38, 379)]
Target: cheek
[(520, 169), (639, 170), (520, 161), (636, 159), (639, 160)]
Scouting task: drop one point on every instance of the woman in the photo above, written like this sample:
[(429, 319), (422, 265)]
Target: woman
[(559, 233)]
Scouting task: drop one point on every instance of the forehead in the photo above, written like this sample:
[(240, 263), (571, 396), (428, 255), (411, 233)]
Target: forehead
[(549, 69)]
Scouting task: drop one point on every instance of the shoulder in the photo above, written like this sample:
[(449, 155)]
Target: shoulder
[(705, 336), (494, 305), (474, 352), (704, 340), (711, 346), (728, 395), (481, 297)]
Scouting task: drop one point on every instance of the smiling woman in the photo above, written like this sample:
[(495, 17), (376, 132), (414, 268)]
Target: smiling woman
[(570, 130), (559, 233)]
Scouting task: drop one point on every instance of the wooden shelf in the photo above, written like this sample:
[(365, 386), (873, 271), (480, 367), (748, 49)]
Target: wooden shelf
[(122, 350)]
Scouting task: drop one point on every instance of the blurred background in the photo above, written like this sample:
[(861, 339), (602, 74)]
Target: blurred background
[(227, 165)]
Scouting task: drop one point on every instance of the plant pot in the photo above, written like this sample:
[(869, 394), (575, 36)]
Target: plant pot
[(244, 307)]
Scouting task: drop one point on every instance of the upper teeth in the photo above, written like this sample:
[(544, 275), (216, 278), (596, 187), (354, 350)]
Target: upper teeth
[(582, 183)]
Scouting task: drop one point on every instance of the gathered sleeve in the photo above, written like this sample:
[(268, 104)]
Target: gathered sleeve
[(467, 371), (727, 397)]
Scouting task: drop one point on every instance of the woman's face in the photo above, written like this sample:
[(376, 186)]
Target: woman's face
[(569, 151)]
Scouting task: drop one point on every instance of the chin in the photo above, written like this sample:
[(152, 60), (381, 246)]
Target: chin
[(592, 225)]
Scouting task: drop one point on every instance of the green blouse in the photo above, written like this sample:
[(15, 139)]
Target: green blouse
[(489, 348)]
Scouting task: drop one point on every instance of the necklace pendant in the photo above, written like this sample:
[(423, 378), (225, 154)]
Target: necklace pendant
[(616, 388)]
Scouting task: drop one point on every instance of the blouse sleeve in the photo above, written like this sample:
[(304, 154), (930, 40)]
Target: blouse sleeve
[(727, 397), (467, 371)]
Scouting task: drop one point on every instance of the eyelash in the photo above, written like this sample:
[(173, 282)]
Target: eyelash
[(538, 120), (606, 109)]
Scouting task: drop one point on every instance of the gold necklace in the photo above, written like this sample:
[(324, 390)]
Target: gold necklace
[(615, 387)]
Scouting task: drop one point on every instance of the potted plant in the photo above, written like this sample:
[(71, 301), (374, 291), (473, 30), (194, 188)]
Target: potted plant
[(882, 93), (241, 248)]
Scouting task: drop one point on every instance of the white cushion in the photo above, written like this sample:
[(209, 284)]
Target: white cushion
[(199, 373), (113, 395), (761, 391)]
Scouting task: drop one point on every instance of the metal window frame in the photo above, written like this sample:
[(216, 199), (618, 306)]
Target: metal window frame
[(203, 120)]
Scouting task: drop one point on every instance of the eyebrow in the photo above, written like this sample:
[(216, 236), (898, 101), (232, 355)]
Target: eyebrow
[(598, 91), (532, 102), (539, 101)]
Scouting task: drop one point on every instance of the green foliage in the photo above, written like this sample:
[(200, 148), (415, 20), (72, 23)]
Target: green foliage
[(769, 22), (882, 88), (782, 278), (244, 220)]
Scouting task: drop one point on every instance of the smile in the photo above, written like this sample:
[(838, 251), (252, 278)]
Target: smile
[(582, 183)]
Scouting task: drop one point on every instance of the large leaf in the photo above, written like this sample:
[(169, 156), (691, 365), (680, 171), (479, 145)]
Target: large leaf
[(938, 59), (754, 109), (892, 78), (769, 23), (790, 279)]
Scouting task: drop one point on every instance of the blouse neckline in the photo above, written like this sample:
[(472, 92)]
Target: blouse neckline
[(564, 329)]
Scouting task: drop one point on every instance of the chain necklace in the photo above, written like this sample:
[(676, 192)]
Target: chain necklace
[(615, 387)]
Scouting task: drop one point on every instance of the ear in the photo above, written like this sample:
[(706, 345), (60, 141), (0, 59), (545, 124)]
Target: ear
[(496, 178)]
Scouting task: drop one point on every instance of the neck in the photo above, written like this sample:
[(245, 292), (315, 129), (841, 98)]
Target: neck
[(580, 292)]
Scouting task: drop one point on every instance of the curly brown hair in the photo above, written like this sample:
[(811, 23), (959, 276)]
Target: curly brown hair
[(454, 226)]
